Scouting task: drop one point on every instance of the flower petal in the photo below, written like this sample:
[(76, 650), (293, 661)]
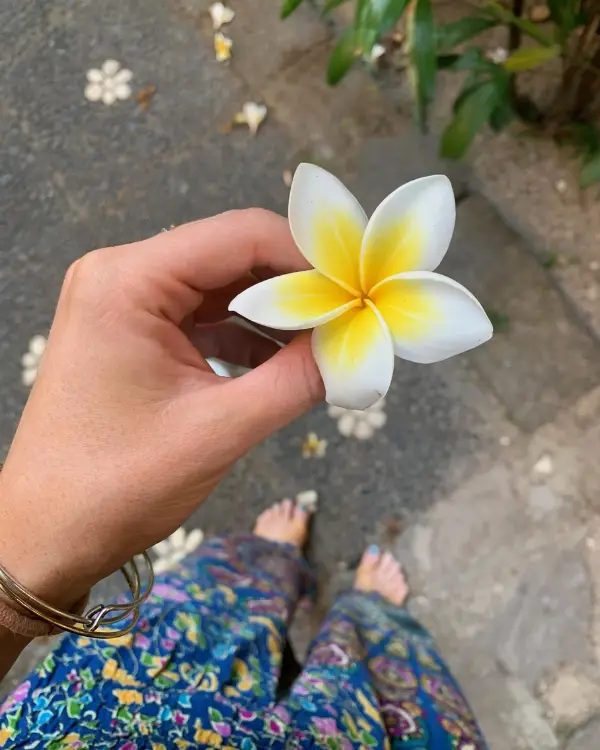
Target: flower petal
[(293, 302), (123, 76), (363, 430), (163, 564), (110, 67), (28, 376), (37, 345), (94, 75), (193, 540), (123, 91), (430, 316), (109, 97), (93, 92), (177, 539), (328, 224), (162, 548), (355, 357), (409, 231), (347, 423)]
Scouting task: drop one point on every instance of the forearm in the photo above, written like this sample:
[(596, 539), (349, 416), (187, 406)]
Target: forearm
[(36, 556)]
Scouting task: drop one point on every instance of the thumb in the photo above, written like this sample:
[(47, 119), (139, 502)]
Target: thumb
[(274, 394)]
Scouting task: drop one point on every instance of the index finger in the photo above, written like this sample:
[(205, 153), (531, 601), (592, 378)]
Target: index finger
[(214, 252)]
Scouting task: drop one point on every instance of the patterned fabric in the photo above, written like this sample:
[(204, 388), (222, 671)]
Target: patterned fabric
[(202, 669)]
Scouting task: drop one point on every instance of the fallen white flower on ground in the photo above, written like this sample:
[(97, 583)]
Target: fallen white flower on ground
[(498, 55), (31, 360), (544, 466), (108, 83), (313, 446), (361, 424), (252, 115), (175, 548), (220, 15), (372, 293), (561, 186), (223, 45), (377, 51)]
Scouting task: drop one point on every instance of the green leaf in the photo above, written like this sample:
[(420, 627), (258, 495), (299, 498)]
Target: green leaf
[(530, 57), (565, 14), (215, 715), (450, 35), (289, 6), (496, 10), (585, 137), (471, 115), (590, 172), (392, 14), (421, 43), (446, 62), (473, 59), (502, 116), (331, 5), (373, 18), (343, 57)]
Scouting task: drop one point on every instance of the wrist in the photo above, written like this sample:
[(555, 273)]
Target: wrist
[(36, 551)]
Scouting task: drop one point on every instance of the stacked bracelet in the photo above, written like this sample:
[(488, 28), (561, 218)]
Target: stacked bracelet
[(44, 619)]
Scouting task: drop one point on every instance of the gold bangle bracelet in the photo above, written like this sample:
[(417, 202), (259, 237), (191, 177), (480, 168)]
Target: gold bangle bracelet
[(97, 621)]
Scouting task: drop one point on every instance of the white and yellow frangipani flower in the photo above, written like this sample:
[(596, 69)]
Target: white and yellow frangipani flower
[(252, 115), (372, 292), (220, 15), (223, 45)]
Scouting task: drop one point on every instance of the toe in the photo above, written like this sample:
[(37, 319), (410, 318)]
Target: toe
[(279, 509), (287, 507), (265, 515), (299, 514), (388, 563), (370, 558)]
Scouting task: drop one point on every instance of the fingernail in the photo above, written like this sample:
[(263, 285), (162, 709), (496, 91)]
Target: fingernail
[(373, 549)]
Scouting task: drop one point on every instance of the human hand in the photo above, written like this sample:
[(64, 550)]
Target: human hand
[(127, 430)]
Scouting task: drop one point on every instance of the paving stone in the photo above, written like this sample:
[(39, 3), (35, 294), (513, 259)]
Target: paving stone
[(327, 124), (587, 739), (592, 552), (546, 360), (265, 45), (573, 699), (547, 623)]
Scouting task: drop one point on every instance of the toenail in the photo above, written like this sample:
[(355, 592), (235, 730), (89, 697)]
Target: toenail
[(373, 549)]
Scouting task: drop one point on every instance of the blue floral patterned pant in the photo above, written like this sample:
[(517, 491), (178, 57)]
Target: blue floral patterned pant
[(202, 667)]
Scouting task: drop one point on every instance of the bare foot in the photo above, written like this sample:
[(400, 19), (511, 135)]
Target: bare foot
[(382, 573), (283, 522)]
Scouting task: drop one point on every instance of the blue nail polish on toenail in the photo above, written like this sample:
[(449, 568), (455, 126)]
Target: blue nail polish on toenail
[(374, 549)]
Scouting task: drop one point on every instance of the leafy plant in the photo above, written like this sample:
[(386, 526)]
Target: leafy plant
[(490, 95)]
